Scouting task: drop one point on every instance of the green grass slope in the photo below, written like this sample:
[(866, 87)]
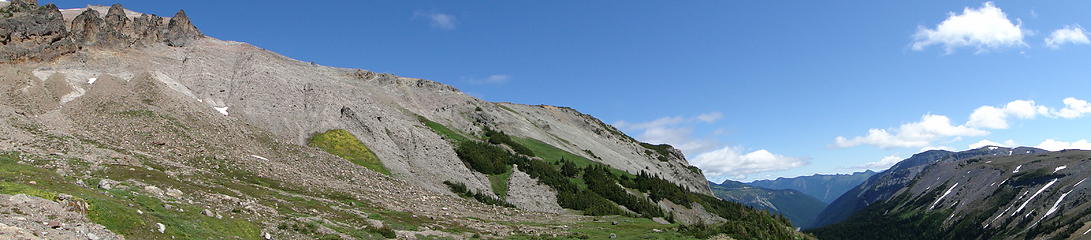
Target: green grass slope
[(343, 144)]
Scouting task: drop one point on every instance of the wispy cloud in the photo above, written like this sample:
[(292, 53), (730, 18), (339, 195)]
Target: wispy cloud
[(983, 28), (1073, 34), (438, 20), (491, 79), (881, 164)]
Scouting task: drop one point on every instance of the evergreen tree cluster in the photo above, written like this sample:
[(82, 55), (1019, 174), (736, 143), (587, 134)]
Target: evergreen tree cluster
[(502, 138), (659, 189), (462, 190), (484, 157), (603, 191), (599, 180)]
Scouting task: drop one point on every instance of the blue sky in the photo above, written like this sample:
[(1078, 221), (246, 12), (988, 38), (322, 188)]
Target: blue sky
[(749, 89)]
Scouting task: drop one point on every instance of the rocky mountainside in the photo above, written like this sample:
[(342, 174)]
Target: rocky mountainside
[(167, 133), (887, 184), (797, 206), (985, 193), (824, 187)]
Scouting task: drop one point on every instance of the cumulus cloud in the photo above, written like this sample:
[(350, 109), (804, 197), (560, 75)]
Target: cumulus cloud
[(491, 79), (882, 164), (914, 134), (987, 142), (983, 28), (938, 127), (1055, 145), (1067, 35), (997, 117), (734, 163), (441, 21), (1073, 108)]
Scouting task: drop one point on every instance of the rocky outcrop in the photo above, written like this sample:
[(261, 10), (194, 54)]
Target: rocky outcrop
[(87, 27), (180, 31), (29, 32), (528, 194), (27, 216), (32, 33), (147, 30)]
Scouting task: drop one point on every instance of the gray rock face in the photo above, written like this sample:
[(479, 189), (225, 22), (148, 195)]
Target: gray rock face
[(87, 27), (33, 33), (147, 30), (527, 194), (180, 31)]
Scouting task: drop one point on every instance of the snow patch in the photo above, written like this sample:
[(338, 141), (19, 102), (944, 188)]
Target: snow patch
[(993, 147), (259, 157), (1033, 196), (1054, 208), (1059, 168), (91, 80), (222, 110), (941, 197), (1017, 169)]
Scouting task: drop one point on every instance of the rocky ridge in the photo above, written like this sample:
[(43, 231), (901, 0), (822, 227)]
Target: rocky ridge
[(42, 33)]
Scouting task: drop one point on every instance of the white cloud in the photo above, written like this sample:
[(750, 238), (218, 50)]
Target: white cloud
[(1067, 35), (1054, 145), (882, 164), (491, 79), (710, 117), (1073, 108), (930, 148), (984, 28), (997, 118), (438, 20), (986, 142), (938, 127), (915, 134), (732, 162)]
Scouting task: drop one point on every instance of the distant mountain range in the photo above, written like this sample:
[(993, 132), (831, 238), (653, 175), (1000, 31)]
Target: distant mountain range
[(825, 188), (800, 208), (985, 193)]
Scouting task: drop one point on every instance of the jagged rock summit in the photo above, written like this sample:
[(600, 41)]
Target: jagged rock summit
[(43, 33)]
